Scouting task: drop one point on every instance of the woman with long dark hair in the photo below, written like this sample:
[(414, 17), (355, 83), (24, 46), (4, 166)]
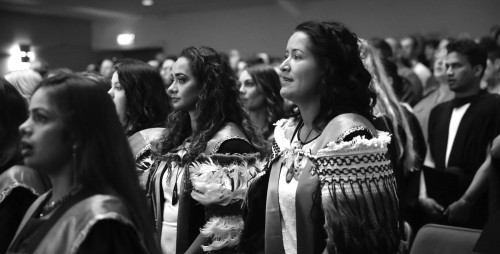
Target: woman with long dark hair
[(259, 87), (142, 105), (200, 176), (73, 135), (330, 176), (139, 96)]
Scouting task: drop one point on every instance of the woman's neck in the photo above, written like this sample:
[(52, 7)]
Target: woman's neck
[(62, 183), (309, 111), (258, 117)]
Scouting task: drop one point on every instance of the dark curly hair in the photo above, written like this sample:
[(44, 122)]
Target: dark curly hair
[(13, 112), (217, 105), (147, 103), (268, 83), (475, 54), (344, 87)]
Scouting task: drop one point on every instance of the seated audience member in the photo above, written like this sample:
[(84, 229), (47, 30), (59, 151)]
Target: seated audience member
[(73, 135), (460, 132), (19, 185)]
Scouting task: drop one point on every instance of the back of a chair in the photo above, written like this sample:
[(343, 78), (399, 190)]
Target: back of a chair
[(440, 239)]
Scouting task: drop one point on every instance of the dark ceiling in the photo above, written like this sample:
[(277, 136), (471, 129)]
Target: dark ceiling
[(113, 9)]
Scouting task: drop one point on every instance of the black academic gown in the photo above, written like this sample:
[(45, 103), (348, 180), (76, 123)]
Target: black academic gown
[(478, 127)]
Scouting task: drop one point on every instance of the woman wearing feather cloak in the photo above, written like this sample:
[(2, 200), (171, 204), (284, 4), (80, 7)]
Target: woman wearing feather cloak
[(204, 159), (331, 185)]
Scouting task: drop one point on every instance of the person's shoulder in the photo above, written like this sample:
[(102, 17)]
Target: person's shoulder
[(490, 98), (439, 108), (344, 125), (427, 101), (487, 103), (19, 176), (230, 129), (228, 132), (346, 122)]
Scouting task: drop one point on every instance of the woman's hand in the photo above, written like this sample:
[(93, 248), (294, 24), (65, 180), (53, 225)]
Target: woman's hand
[(430, 206), (458, 211)]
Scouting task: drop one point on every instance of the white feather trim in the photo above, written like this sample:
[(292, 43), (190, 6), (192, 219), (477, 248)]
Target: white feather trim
[(224, 232), (279, 133), (214, 184), (359, 143)]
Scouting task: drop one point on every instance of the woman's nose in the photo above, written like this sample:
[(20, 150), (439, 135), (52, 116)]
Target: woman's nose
[(24, 129), (285, 66)]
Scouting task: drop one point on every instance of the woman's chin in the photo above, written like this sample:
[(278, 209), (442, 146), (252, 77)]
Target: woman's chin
[(286, 93)]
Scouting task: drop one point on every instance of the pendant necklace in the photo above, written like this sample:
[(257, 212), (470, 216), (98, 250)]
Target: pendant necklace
[(175, 192), (297, 156), (51, 206)]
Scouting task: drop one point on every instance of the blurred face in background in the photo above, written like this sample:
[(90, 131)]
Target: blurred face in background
[(117, 93), (107, 68), (166, 71), (489, 71), (251, 97), (439, 67), (407, 48)]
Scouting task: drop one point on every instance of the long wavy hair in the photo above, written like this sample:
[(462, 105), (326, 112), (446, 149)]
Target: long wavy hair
[(147, 103), (267, 82), (344, 87), (13, 112), (217, 105), (103, 160), (388, 105)]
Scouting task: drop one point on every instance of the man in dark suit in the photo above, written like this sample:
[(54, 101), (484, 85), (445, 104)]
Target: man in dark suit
[(460, 133)]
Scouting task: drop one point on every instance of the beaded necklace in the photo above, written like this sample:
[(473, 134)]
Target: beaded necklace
[(51, 206)]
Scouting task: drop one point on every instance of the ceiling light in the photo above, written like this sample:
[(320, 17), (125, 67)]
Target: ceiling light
[(125, 39), (147, 2)]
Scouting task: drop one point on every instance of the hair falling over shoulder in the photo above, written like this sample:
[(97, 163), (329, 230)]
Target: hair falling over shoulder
[(217, 105)]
